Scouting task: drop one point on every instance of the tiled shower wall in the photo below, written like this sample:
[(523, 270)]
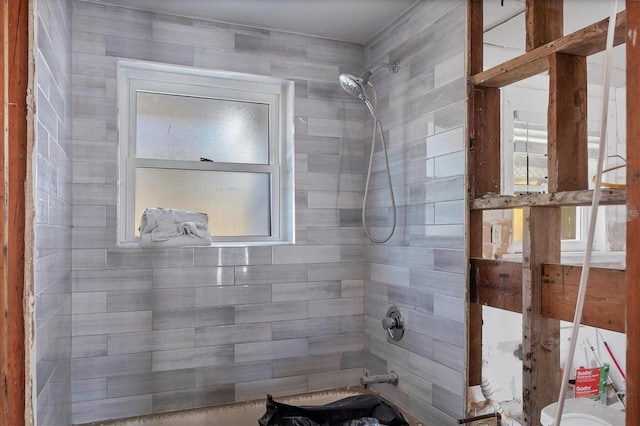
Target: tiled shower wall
[(165, 329), (421, 269), (52, 189)]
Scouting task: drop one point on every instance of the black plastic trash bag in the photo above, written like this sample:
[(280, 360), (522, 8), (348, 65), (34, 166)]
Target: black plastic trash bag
[(359, 410)]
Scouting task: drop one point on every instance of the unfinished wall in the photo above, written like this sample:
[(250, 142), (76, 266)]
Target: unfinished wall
[(422, 268), (158, 330), (52, 171)]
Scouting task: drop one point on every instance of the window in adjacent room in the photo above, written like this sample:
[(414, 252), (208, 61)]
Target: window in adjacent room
[(207, 141)]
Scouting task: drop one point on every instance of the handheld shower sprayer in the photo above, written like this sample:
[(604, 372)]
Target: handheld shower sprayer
[(355, 86)]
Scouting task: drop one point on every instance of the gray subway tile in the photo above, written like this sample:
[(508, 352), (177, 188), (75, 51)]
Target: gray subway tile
[(305, 291), (341, 271), (89, 303), (231, 334), (154, 299), (261, 351), (266, 274), (106, 323), (267, 312), (149, 341), (88, 346), (305, 254), (306, 365), (192, 358), (233, 373), (305, 328), (277, 387), (193, 398), (232, 295), (149, 50), (149, 258), (336, 307), (336, 343), (192, 277), (104, 409), (111, 280), (110, 366), (140, 384), (88, 390), (335, 379), (192, 317)]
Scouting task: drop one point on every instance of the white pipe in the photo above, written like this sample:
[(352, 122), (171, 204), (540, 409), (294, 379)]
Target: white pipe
[(582, 291)]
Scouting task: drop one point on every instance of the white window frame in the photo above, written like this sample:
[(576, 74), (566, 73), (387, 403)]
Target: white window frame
[(139, 76)]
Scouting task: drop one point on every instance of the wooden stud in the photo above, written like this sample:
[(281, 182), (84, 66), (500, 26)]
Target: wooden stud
[(543, 22), (633, 213), (540, 336), (567, 123), (475, 37), (14, 21), (474, 65), (484, 142), (475, 309), (497, 284), (584, 42), (604, 302)]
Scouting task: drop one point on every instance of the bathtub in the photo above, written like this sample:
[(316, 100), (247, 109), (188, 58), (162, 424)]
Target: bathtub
[(238, 414)]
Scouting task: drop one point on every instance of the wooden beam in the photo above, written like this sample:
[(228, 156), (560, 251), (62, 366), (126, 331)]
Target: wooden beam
[(633, 213), (475, 37), (484, 142), (584, 42), (475, 50), (540, 335), (604, 302), (475, 310), (567, 122), (568, 198), (543, 22), (497, 284), (14, 21)]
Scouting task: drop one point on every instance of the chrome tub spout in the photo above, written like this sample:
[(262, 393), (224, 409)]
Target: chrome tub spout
[(391, 378)]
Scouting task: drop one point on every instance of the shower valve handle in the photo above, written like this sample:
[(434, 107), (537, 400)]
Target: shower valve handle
[(393, 323)]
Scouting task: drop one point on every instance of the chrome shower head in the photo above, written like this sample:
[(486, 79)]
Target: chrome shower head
[(352, 85)]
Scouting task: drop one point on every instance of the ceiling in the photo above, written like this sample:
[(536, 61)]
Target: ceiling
[(345, 20)]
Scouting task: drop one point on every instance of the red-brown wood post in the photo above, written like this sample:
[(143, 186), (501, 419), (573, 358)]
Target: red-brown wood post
[(14, 25), (633, 213), (543, 22)]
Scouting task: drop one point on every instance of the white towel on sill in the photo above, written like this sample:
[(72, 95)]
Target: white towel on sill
[(173, 228)]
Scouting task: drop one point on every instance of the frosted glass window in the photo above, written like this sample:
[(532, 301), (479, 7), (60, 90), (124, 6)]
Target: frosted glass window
[(176, 127), (208, 141), (237, 203)]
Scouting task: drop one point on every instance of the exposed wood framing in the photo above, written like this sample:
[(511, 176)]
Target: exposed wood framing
[(568, 198), (474, 66), (567, 123), (484, 143), (14, 64), (540, 335), (605, 299), (547, 290), (543, 22), (584, 42), (633, 213), (475, 309), (498, 284)]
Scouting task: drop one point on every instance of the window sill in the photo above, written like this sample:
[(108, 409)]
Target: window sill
[(215, 244)]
